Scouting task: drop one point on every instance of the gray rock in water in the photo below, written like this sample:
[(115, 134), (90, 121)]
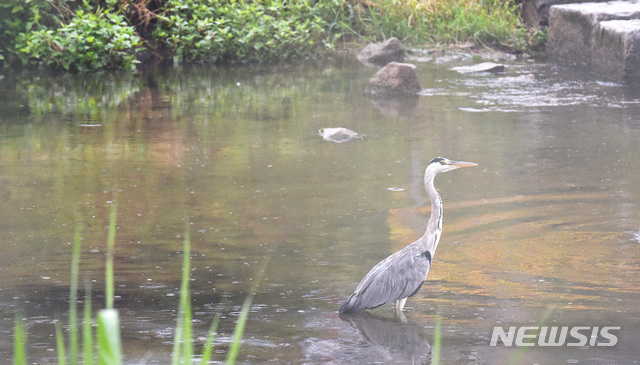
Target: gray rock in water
[(479, 68), (380, 54), (394, 80), (338, 134)]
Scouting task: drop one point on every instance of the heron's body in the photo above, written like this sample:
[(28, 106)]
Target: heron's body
[(401, 274)]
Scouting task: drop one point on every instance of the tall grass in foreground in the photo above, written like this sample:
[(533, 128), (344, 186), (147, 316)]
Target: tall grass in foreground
[(19, 342), (106, 345), (73, 296), (87, 328), (108, 267), (244, 314), (437, 342), (108, 328), (183, 343)]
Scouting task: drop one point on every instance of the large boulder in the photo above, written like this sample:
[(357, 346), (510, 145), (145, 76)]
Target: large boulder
[(379, 54), (394, 80)]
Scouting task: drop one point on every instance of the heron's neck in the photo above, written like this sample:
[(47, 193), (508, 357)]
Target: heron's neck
[(432, 235)]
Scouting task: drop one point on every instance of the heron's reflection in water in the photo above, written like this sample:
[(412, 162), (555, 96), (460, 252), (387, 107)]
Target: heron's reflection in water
[(402, 342)]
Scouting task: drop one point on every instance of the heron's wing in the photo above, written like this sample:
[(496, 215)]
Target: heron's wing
[(398, 276)]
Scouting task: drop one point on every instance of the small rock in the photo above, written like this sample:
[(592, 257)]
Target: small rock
[(480, 67), (379, 54), (394, 80), (338, 134)]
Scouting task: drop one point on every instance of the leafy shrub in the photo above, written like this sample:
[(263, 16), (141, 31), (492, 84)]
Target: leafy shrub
[(15, 17), (82, 35), (90, 40), (213, 30)]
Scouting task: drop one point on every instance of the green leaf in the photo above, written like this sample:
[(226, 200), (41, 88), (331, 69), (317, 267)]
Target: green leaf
[(108, 337)]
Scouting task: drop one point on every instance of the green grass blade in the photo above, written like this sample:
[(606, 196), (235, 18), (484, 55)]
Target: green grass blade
[(108, 334), (207, 351), (238, 331), (234, 349), (87, 329), (108, 270), (437, 342), (73, 296), (187, 331), (62, 356), (19, 342), (178, 339), (182, 343), (185, 298)]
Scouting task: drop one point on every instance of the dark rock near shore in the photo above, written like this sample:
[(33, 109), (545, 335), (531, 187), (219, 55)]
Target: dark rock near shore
[(394, 80), (147, 57), (380, 54)]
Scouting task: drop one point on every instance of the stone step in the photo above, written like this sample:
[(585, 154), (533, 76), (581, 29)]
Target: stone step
[(616, 50), (602, 36)]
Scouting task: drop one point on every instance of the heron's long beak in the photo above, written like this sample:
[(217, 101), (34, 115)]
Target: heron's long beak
[(462, 164)]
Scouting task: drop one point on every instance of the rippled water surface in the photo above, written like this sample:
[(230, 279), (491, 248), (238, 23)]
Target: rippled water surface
[(545, 231)]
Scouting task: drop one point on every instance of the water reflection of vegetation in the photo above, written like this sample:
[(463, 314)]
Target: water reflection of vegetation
[(70, 95), (256, 92)]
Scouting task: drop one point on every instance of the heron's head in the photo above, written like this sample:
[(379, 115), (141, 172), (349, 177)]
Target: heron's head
[(441, 164)]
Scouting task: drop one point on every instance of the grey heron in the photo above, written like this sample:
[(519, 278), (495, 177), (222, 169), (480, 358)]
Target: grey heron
[(401, 274)]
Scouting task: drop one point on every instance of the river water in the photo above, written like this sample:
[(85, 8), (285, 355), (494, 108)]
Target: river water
[(544, 232)]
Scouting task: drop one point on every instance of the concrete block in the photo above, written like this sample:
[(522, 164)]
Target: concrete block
[(571, 27), (616, 50)]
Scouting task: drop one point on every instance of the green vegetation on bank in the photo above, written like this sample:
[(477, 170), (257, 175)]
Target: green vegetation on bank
[(93, 34)]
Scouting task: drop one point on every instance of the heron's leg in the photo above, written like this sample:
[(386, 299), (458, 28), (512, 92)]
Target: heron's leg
[(399, 304)]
